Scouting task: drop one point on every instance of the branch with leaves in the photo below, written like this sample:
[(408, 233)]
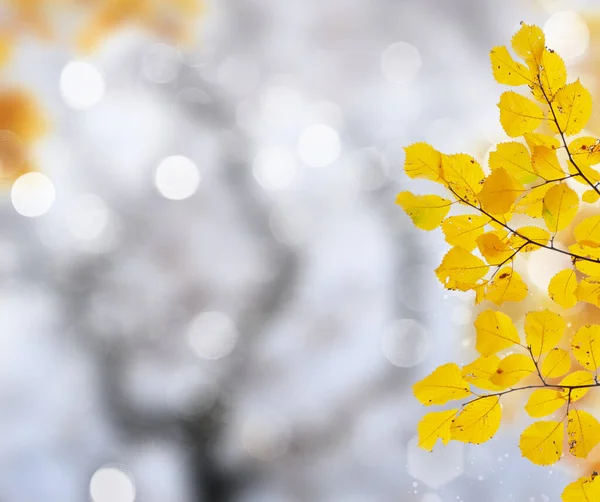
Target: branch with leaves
[(524, 202)]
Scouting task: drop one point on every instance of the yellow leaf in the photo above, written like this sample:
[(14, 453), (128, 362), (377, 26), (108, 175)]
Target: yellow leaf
[(460, 269), (576, 379), (495, 332), (521, 240), (506, 70), (588, 290), (542, 442), (552, 74), (514, 158), (544, 402), (588, 232), (545, 163), (562, 288), (533, 203), (585, 489), (423, 161), (585, 346), (583, 432), (556, 363), (590, 196), (560, 207), (585, 150), (499, 192), (433, 426), (572, 107), (586, 259), (478, 421), (543, 331), (506, 286), (463, 230), (463, 176), (512, 369), (493, 249), (534, 139), (529, 43), (444, 384), (480, 371), (425, 211), (518, 114)]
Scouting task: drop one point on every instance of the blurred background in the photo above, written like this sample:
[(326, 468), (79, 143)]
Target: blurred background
[(207, 293)]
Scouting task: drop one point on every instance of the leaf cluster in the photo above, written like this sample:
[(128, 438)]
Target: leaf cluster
[(518, 204)]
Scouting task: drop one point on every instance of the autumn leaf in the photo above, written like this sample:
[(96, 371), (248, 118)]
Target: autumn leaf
[(514, 158), (544, 402), (444, 384), (479, 371), (494, 249), (519, 114), (433, 426), (463, 176), (576, 379), (545, 163), (543, 331), (512, 369), (506, 70), (425, 211), (542, 442), (495, 332), (572, 108), (506, 286), (551, 76), (556, 363), (587, 232), (528, 239), (585, 489), (463, 230), (562, 288), (585, 346), (478, 421), (460, 269), (583, 431), (499, 193), (423, 161), (529, 43), (560, 207)]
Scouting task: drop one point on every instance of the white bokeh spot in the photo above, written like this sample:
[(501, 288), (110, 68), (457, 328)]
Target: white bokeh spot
[(274, 168), (568, 34), (111, 484), (319, 145), (177, 177), (400, 62), (81, 85), (32, 194), (212, 335)]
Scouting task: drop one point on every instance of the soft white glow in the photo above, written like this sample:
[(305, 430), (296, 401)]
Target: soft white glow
[(32, 194), (400, 62), (545, 264), (405, 343), (88, 217), (461, 315), (110, 484), (212, 335), (81, 85), (161, 64), (177, 177), (274, 168), (319, 145), (265, 437), (568, 34)]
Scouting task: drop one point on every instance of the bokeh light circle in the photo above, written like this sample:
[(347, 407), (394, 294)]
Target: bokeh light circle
[(568, 34), (405, 343), (32, 194), (81, 85), (111, 484), (400, 62), (212, 335), (177, 177), (319, 145)]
